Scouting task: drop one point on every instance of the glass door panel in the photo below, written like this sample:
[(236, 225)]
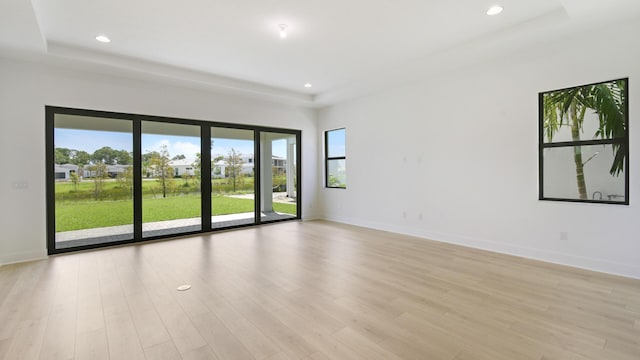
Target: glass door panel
[(171, 200), (93, 175), (278, 184), (232, 177), (114, 178)]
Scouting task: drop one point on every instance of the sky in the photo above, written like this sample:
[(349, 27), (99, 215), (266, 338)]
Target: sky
[(337, 142), (176, 145), (91, 140)]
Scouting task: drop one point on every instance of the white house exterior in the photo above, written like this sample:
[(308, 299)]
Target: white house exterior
[(112, 170), (279, 164), (63, 172), (182, 167), (248, 165)]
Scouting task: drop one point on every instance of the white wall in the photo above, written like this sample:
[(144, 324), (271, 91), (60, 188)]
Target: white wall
[(26, 88), (454, 157)]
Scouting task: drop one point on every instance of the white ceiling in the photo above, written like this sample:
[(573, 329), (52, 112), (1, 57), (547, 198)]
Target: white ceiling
[(342, 47)]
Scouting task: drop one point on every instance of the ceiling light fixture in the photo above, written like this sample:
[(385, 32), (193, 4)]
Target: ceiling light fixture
[(103, 39), (307, 85), (283, 30), (495, 10)]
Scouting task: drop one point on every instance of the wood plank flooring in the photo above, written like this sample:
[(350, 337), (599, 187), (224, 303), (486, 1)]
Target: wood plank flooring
[(312, 290)]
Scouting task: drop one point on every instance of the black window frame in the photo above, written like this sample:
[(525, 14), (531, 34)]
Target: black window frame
[(327, 158), (622, 141), (137, 119)]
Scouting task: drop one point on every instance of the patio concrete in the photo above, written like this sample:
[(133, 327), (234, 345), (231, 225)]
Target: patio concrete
[(68, 239)]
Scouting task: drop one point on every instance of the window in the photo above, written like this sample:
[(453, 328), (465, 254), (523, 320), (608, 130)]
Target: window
[(171, 200), (279, 181), (335, 158), (115, 178), (584, 143), (229, 147), (93, 202)]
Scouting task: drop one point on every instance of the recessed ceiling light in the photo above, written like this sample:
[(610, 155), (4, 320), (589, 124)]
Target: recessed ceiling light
[(495, 10), (307, 85), (283, 30), (103, 39)]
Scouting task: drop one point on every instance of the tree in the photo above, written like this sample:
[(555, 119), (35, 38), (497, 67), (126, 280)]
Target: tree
[(75, 180), (79, 157), (334, 181), (72, 156), (159, 161), (123, 157), (111, 156), (179, 157), (125, 181), (197, 164), (146, 162), (568, 108), (186, 177), (99, 175), (61, 156), (234, 166), (197, 169)]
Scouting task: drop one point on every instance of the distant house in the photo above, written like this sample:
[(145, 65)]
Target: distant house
[(218, 168), (112, 170), (279, 164), (182, 167), (63, 172)]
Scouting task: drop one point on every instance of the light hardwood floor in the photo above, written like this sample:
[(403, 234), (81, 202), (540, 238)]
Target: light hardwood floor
[(312, 290)]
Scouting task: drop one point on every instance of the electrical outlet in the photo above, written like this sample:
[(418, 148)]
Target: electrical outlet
[(564, 235)]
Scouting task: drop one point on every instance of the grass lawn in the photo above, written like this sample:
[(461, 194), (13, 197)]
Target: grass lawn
[(112, 190), (77, 215)]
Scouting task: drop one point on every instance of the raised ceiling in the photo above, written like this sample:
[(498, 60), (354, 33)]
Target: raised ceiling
[(343, 48)]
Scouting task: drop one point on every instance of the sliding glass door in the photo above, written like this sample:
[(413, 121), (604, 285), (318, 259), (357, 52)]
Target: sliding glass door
[(170, 179), (116, 178), (93, 180), (232, 177), (278, 185)]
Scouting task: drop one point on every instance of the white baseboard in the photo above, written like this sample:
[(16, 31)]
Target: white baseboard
[(593, 264), (18, 257), (310, 218)]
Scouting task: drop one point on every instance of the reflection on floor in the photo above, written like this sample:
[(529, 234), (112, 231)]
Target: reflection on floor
[(70, 239)]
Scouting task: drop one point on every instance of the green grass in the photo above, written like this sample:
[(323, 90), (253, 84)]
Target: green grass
[(285, 208), (77, 207), (90, 214), (112, 190), (77, 215)]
